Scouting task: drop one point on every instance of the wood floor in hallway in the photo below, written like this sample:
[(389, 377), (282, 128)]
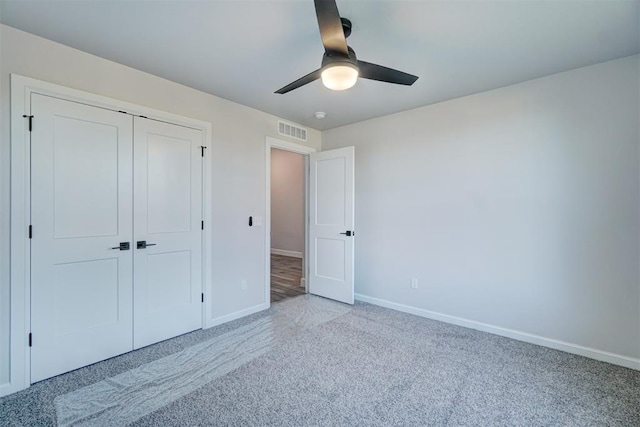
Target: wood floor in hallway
[(286, 273)]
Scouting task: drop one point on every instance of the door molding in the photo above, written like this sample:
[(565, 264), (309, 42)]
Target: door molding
[(21, 90), (294, 148)]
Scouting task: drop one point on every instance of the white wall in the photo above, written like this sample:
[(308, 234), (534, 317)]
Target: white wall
[(517, 207), (287, 201), (238, 157)]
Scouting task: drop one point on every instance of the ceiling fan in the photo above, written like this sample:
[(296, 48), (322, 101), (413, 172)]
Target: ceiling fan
[(340, 68)]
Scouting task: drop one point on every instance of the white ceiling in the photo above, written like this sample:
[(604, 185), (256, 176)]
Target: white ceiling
[(245, 50)]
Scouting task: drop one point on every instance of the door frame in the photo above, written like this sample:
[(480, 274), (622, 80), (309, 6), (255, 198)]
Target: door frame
[(20, 301), (293, 148)]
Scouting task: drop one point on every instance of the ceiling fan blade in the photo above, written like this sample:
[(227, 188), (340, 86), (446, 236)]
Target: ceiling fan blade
[(383, 74), (330, 25), (300, 82)]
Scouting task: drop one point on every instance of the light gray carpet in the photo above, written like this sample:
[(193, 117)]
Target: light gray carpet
[(373, 366), (127, 397)]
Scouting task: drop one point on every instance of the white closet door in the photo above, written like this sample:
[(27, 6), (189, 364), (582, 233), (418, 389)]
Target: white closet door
[(81, 203), (167, 216)]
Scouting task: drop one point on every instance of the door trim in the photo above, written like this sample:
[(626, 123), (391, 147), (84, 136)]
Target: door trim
[(20, 314), (294, 148)]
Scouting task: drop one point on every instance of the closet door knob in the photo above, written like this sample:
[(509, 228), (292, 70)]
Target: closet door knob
[(124, 246), (141, 244)]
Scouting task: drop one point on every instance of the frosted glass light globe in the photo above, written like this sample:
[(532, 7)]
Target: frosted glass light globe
[(339, 76)]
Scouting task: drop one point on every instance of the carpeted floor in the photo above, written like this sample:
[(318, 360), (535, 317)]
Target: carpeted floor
[(365, 365), (286, 273)]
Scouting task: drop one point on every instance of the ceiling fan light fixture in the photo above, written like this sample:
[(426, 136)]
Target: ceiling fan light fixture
[(339, 76), (340, 69)]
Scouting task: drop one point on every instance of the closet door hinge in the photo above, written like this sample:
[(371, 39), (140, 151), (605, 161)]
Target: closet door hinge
[(30, 339), (202, 297), (201, 225), (31, 231), (202, 148), (30, 121)]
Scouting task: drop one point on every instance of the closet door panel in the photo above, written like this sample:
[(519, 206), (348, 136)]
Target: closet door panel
[(167, 218), (81, 200)]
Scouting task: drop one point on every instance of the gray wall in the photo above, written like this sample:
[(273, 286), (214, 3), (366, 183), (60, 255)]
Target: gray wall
[(287, 201), (238, 151), (517, 207)]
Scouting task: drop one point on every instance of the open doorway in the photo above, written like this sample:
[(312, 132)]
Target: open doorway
[(328, 252), (287, 224)]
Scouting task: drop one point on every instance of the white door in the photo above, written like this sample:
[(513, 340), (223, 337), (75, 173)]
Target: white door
[(81, 204), (331, 224), (167, 216)]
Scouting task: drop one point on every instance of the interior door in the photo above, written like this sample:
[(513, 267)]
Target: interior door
[(81, 202), (331, 224), (168, 232)]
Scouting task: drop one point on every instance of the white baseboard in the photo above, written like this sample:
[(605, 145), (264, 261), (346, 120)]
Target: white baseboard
[(236, 315), (604, 356), (294, 254), (303, 282)]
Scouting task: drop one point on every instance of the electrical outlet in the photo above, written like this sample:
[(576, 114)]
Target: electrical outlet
[(414, 283), (243, 285)]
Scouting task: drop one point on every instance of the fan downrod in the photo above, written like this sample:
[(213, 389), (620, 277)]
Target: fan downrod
[(346, 27)]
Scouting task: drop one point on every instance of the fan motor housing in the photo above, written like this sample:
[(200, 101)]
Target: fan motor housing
[(335, 57)]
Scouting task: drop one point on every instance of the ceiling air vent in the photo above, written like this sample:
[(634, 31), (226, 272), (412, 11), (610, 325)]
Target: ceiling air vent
[(293, 131)]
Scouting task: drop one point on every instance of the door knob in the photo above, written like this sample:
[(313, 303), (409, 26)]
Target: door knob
[(141, 244), (349, 233), (124, 246)]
